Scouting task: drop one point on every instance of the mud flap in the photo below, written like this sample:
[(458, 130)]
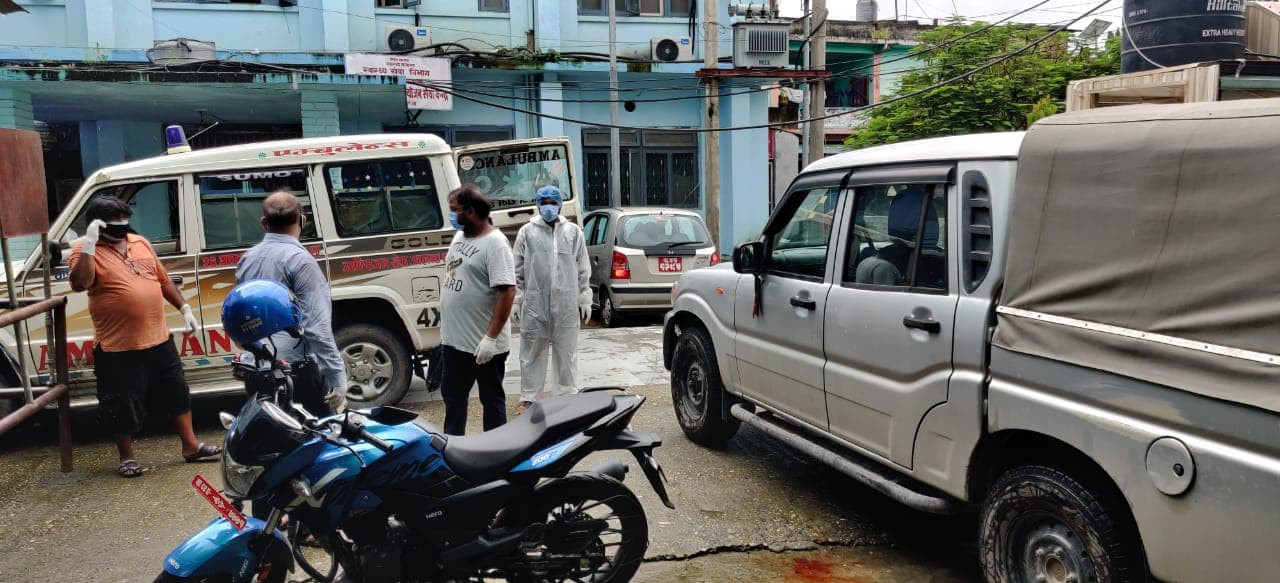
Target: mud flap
[(641, 445)]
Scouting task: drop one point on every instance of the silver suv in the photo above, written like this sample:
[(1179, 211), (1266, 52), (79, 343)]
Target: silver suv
[(1086, 355)]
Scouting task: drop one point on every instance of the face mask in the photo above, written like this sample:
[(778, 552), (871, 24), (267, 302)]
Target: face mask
[(549, 211), (116, 230), (453, 220)]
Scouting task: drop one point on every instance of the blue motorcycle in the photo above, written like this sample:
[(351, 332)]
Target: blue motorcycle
[(391, 499)]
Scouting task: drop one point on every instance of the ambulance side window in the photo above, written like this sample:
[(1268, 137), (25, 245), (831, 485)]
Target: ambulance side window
[(155, 213), (383, 196), (231, 203)]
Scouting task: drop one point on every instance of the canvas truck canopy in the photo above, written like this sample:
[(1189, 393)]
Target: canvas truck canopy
[(1145, 241)]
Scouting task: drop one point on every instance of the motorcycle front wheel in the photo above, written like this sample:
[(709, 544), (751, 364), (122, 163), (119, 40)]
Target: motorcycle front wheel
[(595, 530)]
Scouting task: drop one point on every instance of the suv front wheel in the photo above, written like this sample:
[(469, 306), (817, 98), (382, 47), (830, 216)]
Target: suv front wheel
[(697, 391), (377, 365)]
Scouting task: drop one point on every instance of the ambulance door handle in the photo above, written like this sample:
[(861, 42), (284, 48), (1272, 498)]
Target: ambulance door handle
[(176, 279), (521, 212)]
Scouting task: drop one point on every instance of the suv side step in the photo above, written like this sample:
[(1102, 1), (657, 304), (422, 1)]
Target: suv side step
[(865, 471)]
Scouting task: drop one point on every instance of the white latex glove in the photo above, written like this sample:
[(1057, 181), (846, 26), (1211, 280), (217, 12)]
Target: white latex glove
[(516, 308), (486, 350), (192, 323), (91, 236), (336, 398), (584, 305)]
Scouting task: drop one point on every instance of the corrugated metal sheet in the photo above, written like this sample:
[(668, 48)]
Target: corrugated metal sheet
[(1263, 29)]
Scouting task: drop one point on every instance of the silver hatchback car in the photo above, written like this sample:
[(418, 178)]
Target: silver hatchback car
[(638, 253)]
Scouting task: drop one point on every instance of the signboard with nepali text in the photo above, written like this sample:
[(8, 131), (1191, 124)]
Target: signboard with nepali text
[(427, 70)]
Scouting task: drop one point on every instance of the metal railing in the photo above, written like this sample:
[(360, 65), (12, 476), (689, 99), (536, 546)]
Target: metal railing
[(57, 391)]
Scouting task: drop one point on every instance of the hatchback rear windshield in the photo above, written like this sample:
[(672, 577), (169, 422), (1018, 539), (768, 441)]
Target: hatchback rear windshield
[(662, 230)]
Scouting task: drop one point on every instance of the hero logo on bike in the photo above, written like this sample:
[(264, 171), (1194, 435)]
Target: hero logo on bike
[(219, 503)]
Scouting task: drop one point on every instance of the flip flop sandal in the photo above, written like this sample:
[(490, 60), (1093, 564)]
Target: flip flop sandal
[(130, 469), (203, 452)]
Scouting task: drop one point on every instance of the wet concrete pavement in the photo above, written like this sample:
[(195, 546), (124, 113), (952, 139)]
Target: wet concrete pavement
[(754, 510)]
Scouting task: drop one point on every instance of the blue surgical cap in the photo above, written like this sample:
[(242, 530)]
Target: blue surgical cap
[(550, 192)]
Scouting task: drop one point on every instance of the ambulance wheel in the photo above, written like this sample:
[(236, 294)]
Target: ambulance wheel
[(377, 365)]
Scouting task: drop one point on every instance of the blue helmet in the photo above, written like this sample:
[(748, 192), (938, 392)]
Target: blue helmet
[(550, 192), (257, 309)]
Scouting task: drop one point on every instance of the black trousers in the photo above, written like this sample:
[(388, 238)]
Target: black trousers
[(460, 372)]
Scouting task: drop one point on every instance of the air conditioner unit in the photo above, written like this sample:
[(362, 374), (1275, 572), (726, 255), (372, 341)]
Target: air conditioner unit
[(650, 8), (760, 44), (670, 49), (407, 38)]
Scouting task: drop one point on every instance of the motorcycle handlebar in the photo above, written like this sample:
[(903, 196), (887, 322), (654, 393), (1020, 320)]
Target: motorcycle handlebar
[(375, 440)]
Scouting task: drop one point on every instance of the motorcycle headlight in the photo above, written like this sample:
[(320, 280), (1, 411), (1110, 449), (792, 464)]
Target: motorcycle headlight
[(238, 479)]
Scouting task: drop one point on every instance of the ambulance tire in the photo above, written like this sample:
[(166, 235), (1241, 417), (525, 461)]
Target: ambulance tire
[(378, 367)]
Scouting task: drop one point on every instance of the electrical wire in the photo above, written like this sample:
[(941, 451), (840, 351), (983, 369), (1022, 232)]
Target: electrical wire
[(923, 91)]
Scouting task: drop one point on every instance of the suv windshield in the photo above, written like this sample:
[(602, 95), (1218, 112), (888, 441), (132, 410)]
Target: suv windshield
[(662, 230)]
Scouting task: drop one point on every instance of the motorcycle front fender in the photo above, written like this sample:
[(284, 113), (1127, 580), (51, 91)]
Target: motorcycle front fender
[(221, 549)]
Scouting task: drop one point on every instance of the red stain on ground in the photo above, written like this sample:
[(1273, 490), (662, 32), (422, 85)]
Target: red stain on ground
[(819, 571)]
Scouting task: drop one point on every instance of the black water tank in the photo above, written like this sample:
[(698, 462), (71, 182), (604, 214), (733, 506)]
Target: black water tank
[(1176, 32)]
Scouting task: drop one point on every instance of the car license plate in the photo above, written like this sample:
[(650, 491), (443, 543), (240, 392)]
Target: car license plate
[(219, 503), (670, 264)]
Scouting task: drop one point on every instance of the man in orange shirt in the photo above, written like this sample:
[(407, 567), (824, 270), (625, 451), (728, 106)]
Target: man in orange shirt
[(134, 359)]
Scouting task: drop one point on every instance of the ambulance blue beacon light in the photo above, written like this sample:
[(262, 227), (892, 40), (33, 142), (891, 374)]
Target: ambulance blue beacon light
[(175, 140)]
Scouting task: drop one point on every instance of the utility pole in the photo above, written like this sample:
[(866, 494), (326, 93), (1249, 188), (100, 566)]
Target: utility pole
[(817, 143), (807, 95), (711, 120), (615, 152)]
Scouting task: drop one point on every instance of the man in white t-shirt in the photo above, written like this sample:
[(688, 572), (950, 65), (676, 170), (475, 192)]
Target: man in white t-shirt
[(475, 305)]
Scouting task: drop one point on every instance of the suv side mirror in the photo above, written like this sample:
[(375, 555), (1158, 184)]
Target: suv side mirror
[(749, 258)]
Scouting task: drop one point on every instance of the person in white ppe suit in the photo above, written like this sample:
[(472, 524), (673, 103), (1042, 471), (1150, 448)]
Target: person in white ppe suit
[(553, 296)]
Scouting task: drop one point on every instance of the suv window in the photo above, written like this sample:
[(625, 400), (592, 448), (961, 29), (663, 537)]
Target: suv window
[(385, 196), (800, 247), (899, 237), (231, 203), (155, 213)]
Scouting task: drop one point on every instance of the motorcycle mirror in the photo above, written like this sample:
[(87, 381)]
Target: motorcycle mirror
[(226, 419)]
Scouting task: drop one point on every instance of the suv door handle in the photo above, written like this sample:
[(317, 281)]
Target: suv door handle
[(930, 326), (800, 302), (176, 279)]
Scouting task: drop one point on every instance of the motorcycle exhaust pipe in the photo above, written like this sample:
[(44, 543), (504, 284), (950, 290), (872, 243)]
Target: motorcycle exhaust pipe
[(612, 468)]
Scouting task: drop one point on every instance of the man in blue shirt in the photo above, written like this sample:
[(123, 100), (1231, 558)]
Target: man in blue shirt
[(281, 257)]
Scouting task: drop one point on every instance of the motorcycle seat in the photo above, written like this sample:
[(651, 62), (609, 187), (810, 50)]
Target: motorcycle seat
[(487, 456)]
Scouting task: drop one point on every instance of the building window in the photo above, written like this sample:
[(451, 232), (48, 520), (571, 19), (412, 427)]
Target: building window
[(494, 5), (223, 1), (223, 134), (657, 169), (459, 136), (637, 7)]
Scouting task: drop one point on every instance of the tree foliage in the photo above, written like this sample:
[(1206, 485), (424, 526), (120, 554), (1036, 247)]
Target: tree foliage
[(1007, 96)]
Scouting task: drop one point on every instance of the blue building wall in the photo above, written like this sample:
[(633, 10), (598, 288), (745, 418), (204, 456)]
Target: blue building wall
[(120, 117)]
